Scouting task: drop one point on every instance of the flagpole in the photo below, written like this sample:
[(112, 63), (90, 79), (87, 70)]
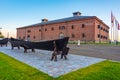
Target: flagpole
[(118, 31), (111, 32), (111, 26), (117, 34)]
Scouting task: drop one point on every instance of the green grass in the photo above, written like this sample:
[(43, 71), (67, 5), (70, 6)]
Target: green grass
[(106, 44), (91, 42), (106, 70), (11, 69)]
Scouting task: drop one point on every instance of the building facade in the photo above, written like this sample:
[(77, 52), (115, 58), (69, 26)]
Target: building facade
[(84, 28)]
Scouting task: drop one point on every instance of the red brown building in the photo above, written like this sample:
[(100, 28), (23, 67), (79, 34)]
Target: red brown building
[(84, 28)]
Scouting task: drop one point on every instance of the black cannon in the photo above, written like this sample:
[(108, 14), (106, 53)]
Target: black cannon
[(15, 43), (4, 42)]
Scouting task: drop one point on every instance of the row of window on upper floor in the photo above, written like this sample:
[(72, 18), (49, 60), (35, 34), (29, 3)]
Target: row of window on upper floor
[(60, 28), (101, 28), (72, 27)]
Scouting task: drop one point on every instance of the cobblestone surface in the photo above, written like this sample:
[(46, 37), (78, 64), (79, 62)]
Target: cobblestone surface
[(41, 61)]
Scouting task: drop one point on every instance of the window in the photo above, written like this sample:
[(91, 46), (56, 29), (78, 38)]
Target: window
[(61, 27), (73, 35), (72, 27), (45, 29), (34, 37), (107, 31), (83, 35), (28, 35), (98, 35), (101, 28), (101, 36), (98, 26), (83, 25), (106, 37), (52, 28), (29, 31), (104, 29), (39, 30)]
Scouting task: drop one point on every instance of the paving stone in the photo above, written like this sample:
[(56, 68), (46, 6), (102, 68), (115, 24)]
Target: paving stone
[(41, 61)]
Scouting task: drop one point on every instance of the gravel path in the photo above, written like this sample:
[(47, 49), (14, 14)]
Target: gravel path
[(41, 61)]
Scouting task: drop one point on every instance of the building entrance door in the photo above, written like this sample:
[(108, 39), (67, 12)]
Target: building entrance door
[(61, 35), (28, 38)]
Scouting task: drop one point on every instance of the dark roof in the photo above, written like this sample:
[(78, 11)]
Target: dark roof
[(60, 20)]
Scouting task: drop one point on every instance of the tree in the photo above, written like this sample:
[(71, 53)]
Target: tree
[(0, 33), (1, 36)]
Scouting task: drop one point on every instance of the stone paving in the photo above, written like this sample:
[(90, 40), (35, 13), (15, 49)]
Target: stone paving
[(41, 61)]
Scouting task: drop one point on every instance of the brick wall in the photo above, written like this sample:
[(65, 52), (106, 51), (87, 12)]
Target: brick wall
[(83, 29)]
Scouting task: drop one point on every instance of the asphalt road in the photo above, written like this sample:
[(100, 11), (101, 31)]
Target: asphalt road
[(99, 51)]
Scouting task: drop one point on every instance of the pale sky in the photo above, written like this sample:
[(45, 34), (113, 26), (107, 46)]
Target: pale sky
[(19, 13)]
